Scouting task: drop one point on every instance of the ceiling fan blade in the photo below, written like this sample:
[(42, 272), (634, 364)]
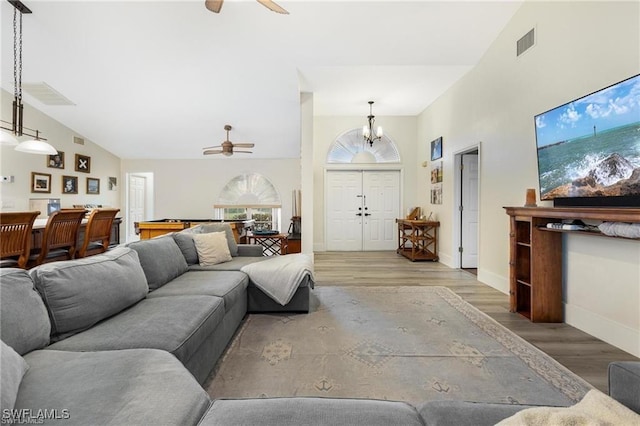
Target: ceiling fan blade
[(213, 5), (242, 152), (212, 151), (244, 145), (211, 147), (273, 6)]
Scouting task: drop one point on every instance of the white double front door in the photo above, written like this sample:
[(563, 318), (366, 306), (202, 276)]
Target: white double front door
[(361, 209)]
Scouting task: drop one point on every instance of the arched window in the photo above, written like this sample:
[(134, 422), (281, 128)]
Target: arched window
[(350, 147), (250, 196)]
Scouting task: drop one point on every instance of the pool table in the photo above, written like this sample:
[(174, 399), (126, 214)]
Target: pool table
[(153, 228)]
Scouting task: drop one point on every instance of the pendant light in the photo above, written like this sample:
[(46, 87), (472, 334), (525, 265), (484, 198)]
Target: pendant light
[(10, 135), (367, 130)]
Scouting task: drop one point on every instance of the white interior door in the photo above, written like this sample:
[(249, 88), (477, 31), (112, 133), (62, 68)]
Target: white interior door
[(344, 211), (361, 210), (381, 200), (469, 223), (137, 195)]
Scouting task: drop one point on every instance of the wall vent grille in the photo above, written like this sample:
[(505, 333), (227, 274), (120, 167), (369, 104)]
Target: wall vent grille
[(526, 42), (78, 140)]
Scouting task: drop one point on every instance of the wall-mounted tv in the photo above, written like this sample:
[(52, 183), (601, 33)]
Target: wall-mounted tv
[(589, 148)]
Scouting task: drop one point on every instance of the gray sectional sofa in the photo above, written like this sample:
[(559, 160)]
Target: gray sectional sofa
[(130, 336)]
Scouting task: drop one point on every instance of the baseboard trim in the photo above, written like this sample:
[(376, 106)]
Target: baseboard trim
[(496, 281), (446, 260), (614, 333)]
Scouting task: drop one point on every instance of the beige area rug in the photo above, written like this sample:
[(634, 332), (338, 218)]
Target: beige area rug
[(398, 343)]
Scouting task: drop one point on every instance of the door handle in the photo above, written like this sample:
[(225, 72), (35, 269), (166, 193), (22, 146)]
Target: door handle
[(367, 214), (358, 214)]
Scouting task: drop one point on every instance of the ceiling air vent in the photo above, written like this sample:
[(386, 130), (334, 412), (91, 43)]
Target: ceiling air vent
[(527, 41), (46, 94), (78, 140)]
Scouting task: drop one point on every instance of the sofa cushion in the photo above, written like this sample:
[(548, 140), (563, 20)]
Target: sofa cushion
[(184, 240), (310, 411), (230, 285), (79, 293), (12, 368), (462, 413), (624, 383), (212, 248), (235, 264), (129, 387), (218, 227), (24, 323), (177, 324), (161, 260)]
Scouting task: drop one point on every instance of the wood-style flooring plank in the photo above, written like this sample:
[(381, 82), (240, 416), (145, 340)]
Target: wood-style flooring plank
[(585, 355)]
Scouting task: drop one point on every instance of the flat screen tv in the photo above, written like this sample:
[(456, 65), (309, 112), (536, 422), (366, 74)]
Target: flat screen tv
[(589, 149)]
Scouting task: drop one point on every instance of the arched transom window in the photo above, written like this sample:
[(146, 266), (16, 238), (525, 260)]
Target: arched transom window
[(350, 147), (250, 196)]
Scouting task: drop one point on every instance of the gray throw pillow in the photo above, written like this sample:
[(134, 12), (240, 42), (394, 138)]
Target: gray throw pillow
[(79, 293), (24, 322), (161, 260), (184, 240), (217, 227), (12, 369)]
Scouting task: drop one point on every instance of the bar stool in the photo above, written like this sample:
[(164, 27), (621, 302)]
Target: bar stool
[(60, 237), (15, 238), (97, 233)]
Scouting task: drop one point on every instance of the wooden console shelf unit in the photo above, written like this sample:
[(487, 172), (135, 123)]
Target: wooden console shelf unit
[(535, 255), (418, 239)]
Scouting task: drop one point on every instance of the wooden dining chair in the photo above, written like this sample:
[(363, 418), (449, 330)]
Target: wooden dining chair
[(15, 238), (97, 234), (60, 237)]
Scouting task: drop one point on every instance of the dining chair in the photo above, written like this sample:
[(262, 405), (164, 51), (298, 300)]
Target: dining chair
[(97, 234), (15, 238), (60, 237)]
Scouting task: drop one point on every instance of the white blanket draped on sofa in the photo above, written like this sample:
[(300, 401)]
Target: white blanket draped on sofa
[(280, 276)]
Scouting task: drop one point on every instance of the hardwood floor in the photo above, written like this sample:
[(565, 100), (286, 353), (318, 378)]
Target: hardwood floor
[(580, 352)]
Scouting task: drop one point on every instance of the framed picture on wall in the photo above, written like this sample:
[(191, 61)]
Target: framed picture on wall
[(112, 183), (436, 172), (83, 163), (40, 183), (69, 184), (436, 149), (56, 161), (93, 186), (436, 193)]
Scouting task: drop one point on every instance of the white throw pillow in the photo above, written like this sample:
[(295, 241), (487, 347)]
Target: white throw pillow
[(212, 248)]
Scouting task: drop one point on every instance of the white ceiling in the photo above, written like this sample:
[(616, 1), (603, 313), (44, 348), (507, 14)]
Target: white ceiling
[(160, 79)]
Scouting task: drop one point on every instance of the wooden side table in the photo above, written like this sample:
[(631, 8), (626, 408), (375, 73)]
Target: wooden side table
[(418, 239), (272, 245)]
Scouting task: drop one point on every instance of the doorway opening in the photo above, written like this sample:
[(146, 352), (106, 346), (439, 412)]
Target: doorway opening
[(138, 203), (466, 215)]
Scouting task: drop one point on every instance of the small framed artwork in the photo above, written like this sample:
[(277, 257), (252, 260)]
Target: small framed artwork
[(112, 183), (436, 149), (436, 172), (56, 161), (41, 183), (93, 186), (69, 184), (436, 193), (83, 163)]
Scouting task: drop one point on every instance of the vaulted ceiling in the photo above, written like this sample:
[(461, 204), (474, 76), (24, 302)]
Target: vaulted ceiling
[(160, 79)]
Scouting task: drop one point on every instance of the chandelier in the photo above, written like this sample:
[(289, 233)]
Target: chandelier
[(10, 135), (367, 130)]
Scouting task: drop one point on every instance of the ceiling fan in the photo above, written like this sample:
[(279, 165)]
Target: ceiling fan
[(216, 5), (227, 147)]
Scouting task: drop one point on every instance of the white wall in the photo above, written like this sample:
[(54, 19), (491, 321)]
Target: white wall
[(581, 47), (402, 130), (15, 196), (188, 189)]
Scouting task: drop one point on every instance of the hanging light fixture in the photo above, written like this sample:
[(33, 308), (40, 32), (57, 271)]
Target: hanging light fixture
[(10, 135), (367, 130)]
